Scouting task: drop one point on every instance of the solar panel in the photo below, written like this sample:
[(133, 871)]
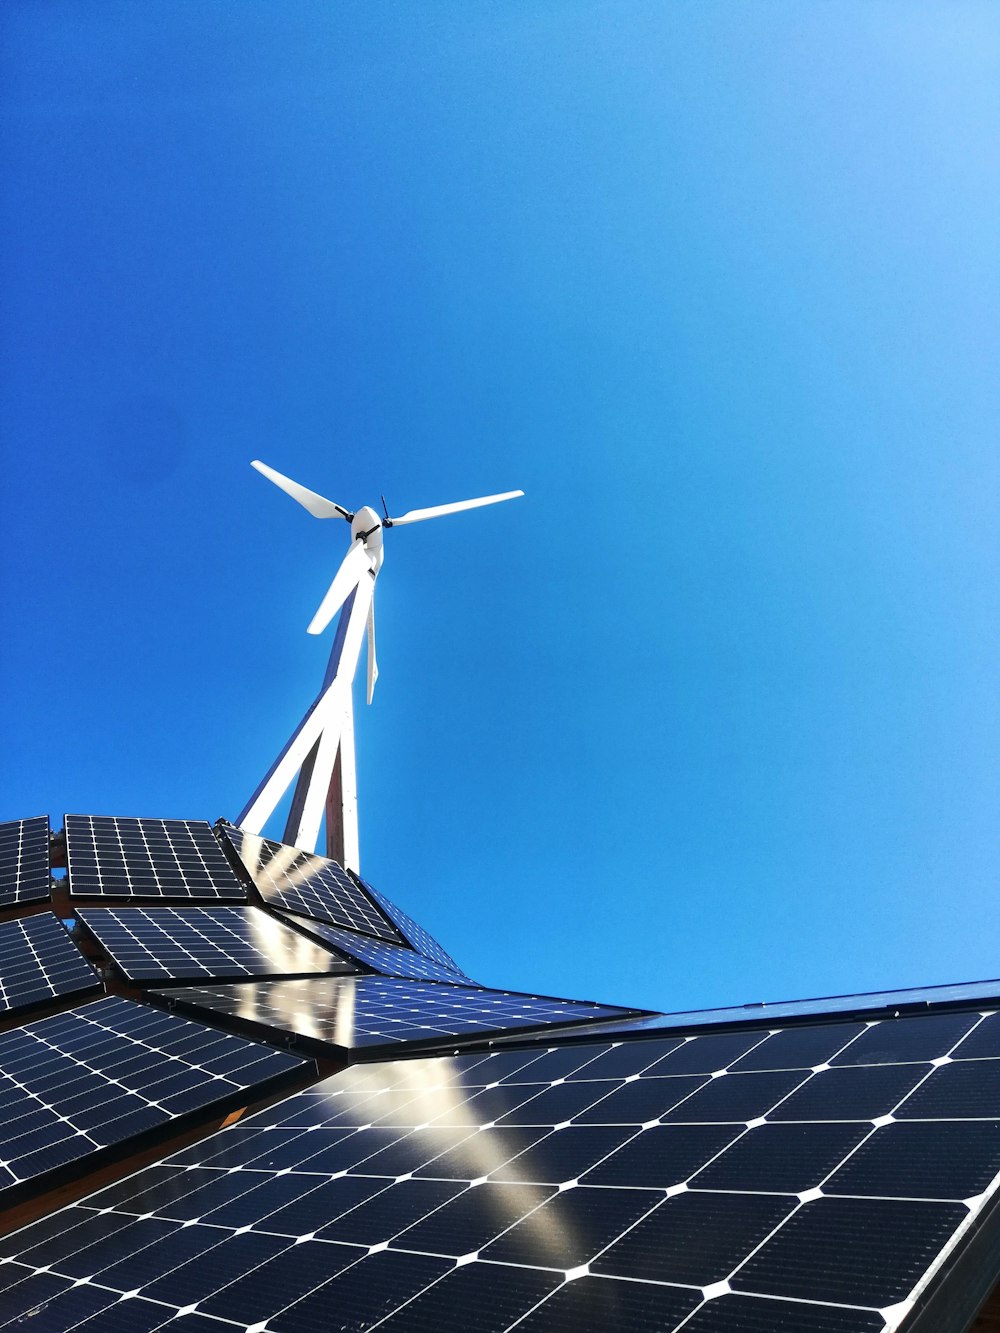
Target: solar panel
[(39, 962), (373, 1013), (24, 861), (654, 1184), (217, 943), (391, 959), (310, 885), (147, 858), (414, 934), (873, 1004), (101, 1074)]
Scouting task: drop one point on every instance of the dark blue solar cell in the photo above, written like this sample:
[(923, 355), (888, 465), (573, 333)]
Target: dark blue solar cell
[(609, 1303), (856, 1251), (695, 1239)]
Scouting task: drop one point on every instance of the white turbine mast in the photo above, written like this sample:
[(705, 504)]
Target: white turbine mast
[(321, 749)]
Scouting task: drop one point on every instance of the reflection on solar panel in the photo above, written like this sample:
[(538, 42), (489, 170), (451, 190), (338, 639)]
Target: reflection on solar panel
[(147, 858), (375, 1012), (310, 885), (24, 861), (420, 939), (736, 1182), (392, 959), (38, 962), (220, 943), (107, 1071)]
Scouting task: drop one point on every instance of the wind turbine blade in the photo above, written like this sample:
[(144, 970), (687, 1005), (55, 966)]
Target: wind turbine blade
[(355, 565), (317, 505), (372, 661), (438, 511)]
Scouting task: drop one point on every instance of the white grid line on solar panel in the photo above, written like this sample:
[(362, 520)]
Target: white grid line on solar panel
[(146, 858), (157, 943), (39, 961), (391, 959), (375, 1011), (102, 1073), (397, 1192), (24, 861), (412, 931), (310, 885)]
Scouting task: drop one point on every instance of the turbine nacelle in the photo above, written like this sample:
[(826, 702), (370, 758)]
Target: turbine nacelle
[(366, 527)]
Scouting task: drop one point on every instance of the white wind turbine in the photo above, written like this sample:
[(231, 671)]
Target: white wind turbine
[(321, 749)]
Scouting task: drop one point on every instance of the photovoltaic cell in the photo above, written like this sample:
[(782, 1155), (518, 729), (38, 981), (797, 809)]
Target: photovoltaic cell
[(147, 858), (24, 861), (39, 962), (312, 886), (110, 1070), (216, 943), (372, 1013), (390, 959), (434, 1192)]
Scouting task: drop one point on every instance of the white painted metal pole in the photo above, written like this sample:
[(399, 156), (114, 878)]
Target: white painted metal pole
[(349, 788), (327, 711)]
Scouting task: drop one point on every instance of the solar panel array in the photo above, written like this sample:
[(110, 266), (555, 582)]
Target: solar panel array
[(391, 959), (348, 1013), (215, 943), (39, 963), (807, 1180), (420, 939), (107, 1071), (24, 861), (309, 885), (147, 858)]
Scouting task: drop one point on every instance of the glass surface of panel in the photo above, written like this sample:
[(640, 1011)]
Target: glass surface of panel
[(391, 960), (217, 943), (391, 1192), (39, 963), (419, 938), (373, 1013), (111, 857), (107, 1071), (307, 884)]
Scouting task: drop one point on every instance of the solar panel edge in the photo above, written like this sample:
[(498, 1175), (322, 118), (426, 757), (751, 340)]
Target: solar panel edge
[(951, 1294)]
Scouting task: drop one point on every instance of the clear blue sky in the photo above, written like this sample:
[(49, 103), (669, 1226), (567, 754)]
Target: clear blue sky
[(712, 715)]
